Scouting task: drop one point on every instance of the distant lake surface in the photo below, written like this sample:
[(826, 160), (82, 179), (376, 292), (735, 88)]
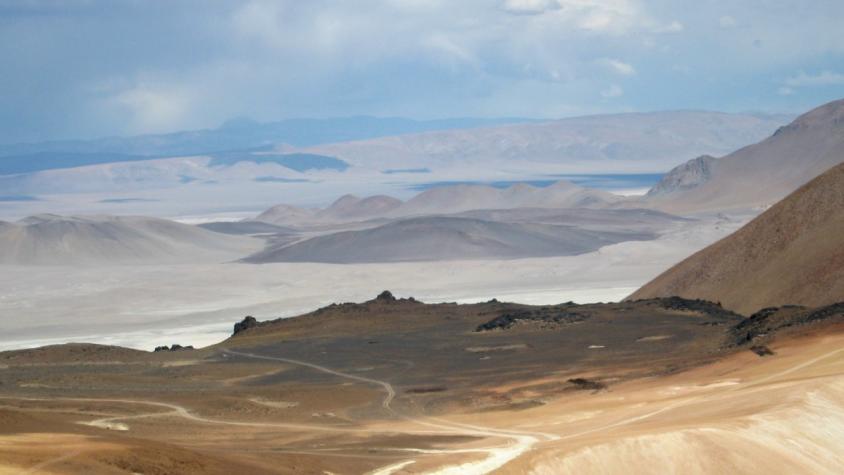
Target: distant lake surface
[(17, 198), (609, 182)]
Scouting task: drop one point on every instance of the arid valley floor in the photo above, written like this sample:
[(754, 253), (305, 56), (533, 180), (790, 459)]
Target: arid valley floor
[(401, 237), (398, 386)]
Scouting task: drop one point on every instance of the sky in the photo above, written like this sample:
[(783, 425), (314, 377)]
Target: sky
[(90, 68)]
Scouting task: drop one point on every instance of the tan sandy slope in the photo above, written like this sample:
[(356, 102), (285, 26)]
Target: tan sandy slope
[(394, 386), (50, 239)]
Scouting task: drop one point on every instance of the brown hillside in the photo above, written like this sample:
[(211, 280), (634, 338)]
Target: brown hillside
[(791, 254)]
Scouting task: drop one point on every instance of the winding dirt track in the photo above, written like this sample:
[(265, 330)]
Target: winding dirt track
[(497, 456), (388, 388)]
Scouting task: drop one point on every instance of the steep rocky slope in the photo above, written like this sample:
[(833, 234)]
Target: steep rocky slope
[(791, 254)]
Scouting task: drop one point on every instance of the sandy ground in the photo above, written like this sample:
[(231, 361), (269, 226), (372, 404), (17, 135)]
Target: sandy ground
[(146, 306), (783, 414), (742, 414)]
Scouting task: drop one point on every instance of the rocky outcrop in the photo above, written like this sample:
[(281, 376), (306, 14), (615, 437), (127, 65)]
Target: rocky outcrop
[(713, 309), (762, 350), (689, 175), (388, 297), (542, 318), (385, 296), (174, 347), (766, 322), (245, 324), (584, 384)]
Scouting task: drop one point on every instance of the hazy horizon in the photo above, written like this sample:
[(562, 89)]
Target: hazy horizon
[(86, 69)]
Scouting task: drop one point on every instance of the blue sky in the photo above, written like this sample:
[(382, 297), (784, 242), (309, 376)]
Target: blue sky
[(86, 68)]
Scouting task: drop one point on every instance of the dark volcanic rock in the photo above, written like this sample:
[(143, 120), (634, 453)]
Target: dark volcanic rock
[(245, 324), (174, 347), (773, 319), (823, 313), (762, 350), (388, 297), (713, 309), (587, 384), (542, 317), (385, 296)]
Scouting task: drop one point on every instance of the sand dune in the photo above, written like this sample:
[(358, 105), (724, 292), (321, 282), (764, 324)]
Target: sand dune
[(791, 254), (59, 240)]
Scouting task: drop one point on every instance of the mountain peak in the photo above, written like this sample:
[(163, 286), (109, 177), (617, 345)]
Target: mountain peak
[(761, 174), (830, 114), (345, 200), (687, 175)]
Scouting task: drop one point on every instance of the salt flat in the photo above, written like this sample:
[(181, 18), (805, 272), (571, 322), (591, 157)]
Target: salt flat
[(147, 305)]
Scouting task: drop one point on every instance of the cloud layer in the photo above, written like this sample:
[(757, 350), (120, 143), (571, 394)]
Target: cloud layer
[(96, 67)]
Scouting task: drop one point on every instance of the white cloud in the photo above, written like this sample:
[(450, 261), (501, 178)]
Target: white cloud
[(727, 21), (824, 78), (672, 27), (610, 17), (530, 7), (425, 58), (612, 92), (618, 66), (153, 109), (260, 20)]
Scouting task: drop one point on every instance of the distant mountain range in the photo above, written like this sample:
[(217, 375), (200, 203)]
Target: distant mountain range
[(390, 153), (652, 141), (460, 222), (243, 134), (442, 200), (480, 221)]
